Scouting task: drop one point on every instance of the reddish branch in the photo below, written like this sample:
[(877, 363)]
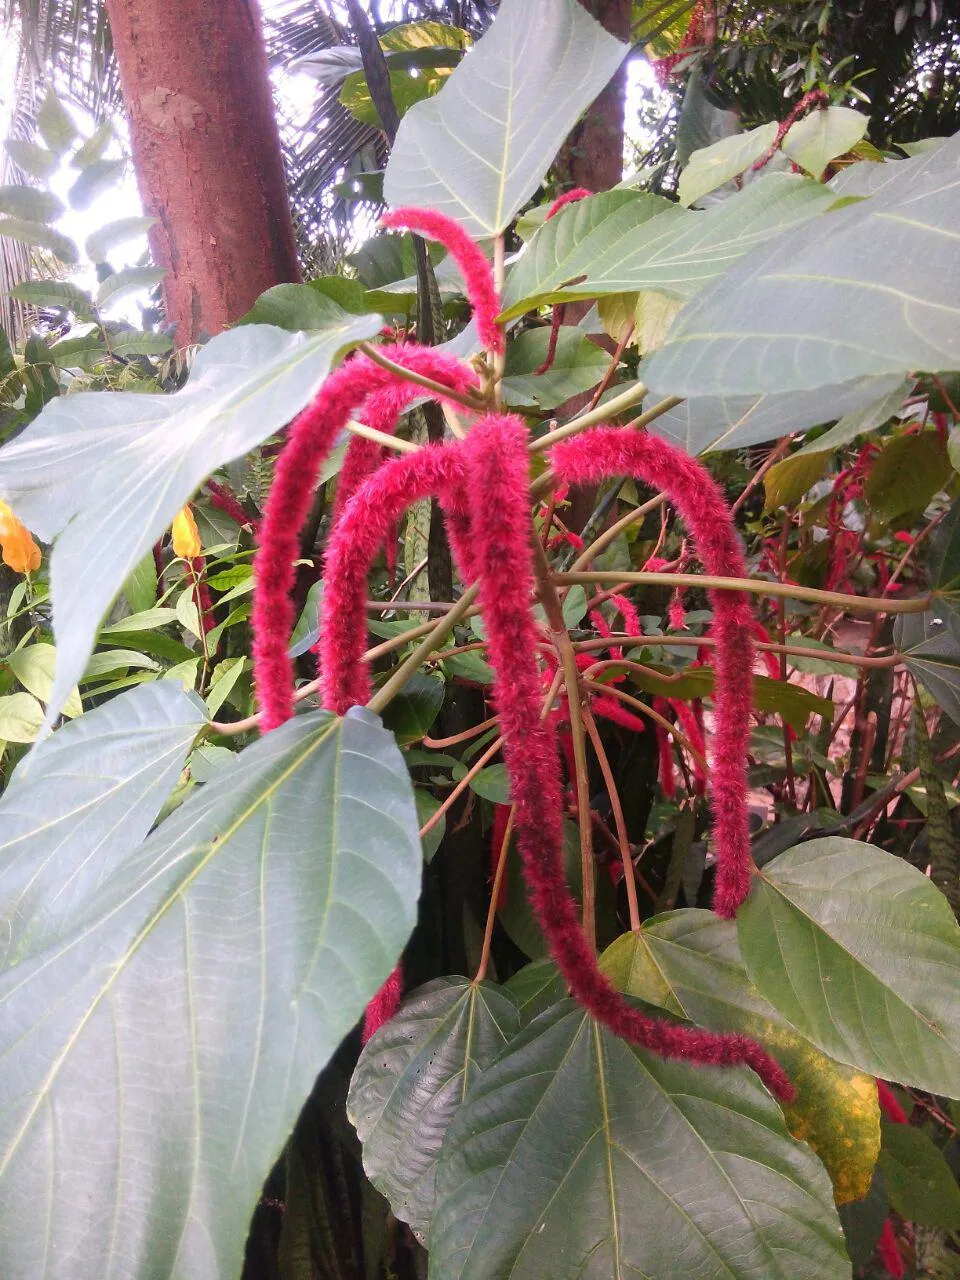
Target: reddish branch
[(815, 98), (606, 451), (559, 310), (497, 464)]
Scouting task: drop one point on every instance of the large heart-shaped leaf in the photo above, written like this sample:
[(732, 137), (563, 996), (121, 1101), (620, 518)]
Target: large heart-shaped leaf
[(81, 803), (861, 953), (412, 1078), (579, 1155), (871, 289), (104, 473), (628, 242), (689, 962), (710, 422), (479, 149), (930, 644), (158, 1054)]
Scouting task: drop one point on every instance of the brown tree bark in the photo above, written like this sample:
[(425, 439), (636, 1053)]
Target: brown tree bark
[(207, 154), (593, 154)]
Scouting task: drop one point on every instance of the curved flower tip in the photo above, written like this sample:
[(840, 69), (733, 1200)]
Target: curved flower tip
[(20, 551), (568, 197), (469, 257), (384, 1004)]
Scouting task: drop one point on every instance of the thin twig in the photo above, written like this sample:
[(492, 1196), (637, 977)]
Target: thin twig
[(613, 794)]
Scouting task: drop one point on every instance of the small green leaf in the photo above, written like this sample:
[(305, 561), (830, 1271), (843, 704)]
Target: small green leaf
[(44, 237), (921, 1185), (295, 307), (92, 150), (57, 293), (21, 716), (100, 242), (31, 158), (34, 667), (55, 124), (788, 481), (468, 666), (126, 281), (427, 806), (223, 681), (412, 713), (30, 204), (930, 644), (909, 471), (821, 136), (712, 166), (411, 1080)]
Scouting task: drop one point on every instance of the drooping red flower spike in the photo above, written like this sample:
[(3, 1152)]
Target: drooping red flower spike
[(384, 1005), (498, 480), (608, 451), (226, 500), (309, 440), (890, 1104), (469, 257), (355, 540), (889, 1251), (559, 308)]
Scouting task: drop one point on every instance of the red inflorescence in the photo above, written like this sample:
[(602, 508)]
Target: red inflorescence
[(310, 438), (469, 257), (497, 466), (384, 1004), (606, 451), (226, 500)]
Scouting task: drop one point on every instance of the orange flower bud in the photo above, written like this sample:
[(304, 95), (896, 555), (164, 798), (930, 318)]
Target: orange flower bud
[(20, 551), (186, 537)]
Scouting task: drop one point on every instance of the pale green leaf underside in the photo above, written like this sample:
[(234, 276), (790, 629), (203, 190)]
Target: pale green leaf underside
[(104, 473), (479, 148), (861, 953), (157, 1057), (412, 1078), (870, 289), (580, 1156)]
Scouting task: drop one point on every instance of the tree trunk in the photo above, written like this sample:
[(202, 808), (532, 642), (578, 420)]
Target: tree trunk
[(207, 154), (592, 156)]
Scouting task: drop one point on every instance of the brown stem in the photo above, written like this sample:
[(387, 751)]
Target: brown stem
[(609, 690), (461, 786), (622, 838), (439, 744)]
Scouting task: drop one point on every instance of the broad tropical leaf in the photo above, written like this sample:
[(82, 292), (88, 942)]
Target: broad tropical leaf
[(578, 365), (479, 148), (103, 474), (821, 136), (712, 166), (918, 1179), (861, 953), (412, 1078), (166, 1043), (689, 963), (81, 803), (612, 244), (871, 289), (579, 1155), (930, 644)]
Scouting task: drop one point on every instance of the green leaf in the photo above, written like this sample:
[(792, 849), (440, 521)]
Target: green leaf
[(861, 953), (43, 237), (222, 682), (295, 307), (630, 242), (468, 666), (812, 308), (713, 166), (56, 293), (95, 179), (930, 644), (909, 471), (21, 717), (102, 474), (30, 204), (821, 136), (579, 364), (427, 806), (128, 280), (943, 559), (93, 148), (479, 149), (577, 1154), (55, 124), (100, 242), (79, 805), (177, 1029), (132, 343), (85, 351), (112, 661), (492, 783), (786, 483), (34, 667), (35, 160), (431, 43), (536, 987), (861, 421), (920, 1183), (412, 713), (411, 1080), (574, 606), (706, 422), (689, 963)]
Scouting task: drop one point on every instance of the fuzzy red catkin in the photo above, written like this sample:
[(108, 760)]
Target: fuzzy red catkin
[(309, 440), (226, 500), (355, 540), (889, 1104), (498, 482), (608, 451), (384, 1005), (889, 1251), (469, 257)]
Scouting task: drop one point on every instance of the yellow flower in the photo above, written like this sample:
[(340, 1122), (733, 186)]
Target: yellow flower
[(186, 538), (20, 551)]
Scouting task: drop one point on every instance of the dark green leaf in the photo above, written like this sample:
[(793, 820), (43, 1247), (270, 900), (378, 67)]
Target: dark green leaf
[(578, 1155), (493, 783), (536, 987), (944, 555), (909, 471), (411, 1080), (177, 1030), (861, 953), (427, 806), (930, 644), (920, 1183), (412, 713), (296, 307)]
